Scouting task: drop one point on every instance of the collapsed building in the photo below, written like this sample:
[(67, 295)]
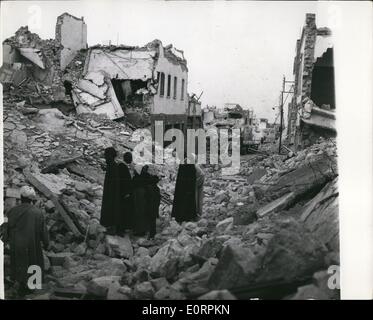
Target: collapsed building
[(143, 84), (38, 64), (312, 109)]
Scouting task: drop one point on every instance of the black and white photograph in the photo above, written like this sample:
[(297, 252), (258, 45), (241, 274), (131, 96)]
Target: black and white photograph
[(184, 150)]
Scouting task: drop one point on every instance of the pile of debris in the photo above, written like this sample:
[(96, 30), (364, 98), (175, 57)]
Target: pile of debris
[(34, 68), (271, 229)]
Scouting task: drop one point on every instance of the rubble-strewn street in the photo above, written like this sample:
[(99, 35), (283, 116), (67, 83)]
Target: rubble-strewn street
[(269, 232), (273, 226)]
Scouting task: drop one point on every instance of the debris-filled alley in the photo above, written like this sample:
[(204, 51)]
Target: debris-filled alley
[(269, 232)]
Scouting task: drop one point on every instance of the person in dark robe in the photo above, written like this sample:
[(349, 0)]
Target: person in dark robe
[(126, 217), (111, 199), (153, 196), (200, 180), (27, 234), (184, 204), (140, 225)]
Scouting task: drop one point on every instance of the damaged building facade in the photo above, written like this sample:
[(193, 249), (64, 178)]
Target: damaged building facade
[(312, 109), (71, 33), (142, 84), (37, 63), (27, 57), (145, 84)]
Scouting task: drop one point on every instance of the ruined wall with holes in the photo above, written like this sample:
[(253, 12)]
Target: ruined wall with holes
[(169, 105), (71, 33), (311, 46)]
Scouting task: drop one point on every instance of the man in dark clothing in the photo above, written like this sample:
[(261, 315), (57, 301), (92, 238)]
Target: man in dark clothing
[(140, 202), (126, 217), (111, 199), (184, 204), (147, 199), (26, 232), (153, 195)]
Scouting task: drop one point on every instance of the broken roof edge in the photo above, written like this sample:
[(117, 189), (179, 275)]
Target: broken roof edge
[(155, 45), (12, 41), (61, 16)]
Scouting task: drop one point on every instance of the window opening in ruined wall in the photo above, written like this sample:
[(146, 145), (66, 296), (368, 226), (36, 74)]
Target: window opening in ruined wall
[(161, 91), (182, 89), (322, 87), (175, 87), (169, 86), (128, 92)]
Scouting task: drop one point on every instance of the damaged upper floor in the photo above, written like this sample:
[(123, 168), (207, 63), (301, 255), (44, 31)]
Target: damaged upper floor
[(312, 109), (113, 80)]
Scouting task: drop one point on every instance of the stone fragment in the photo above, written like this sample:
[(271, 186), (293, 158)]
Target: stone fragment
[(119, 246), (144, 290), (218, 295), (236, 267)]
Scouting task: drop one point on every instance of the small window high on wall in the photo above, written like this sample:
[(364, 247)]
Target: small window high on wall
[(175, 87), (168, 86), (161, 91), (182, 89)]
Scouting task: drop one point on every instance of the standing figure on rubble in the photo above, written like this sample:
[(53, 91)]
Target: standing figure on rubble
[(153, 196), (200, 180), (147, 197), (111, 199), (140, 225), (26, 232), (184, 206), (126, 216)]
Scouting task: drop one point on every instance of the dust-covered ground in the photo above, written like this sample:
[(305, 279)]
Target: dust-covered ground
[(269, 232)]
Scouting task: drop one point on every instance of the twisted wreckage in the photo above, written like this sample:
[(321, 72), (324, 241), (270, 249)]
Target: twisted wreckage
[(144, 84)]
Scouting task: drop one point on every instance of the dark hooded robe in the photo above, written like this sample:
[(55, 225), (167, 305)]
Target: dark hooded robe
[(140, 224), (184, 204), (200, 179), (126, 187), (26, 234), (111, 198), (153, 195), (147, 198)]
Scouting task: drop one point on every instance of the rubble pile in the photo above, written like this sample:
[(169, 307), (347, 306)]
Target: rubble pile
[(273, 225), (41, 82), (258, 228)]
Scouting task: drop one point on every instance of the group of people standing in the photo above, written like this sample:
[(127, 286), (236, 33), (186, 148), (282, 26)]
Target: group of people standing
[(131, 196), (131, 200)]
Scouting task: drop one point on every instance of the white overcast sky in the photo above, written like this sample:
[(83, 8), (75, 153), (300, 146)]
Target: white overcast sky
[(236, 51)]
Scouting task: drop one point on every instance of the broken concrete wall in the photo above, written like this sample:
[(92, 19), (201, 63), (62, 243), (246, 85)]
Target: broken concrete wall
[(323, 42), (312, 79), (126, 63), (10, 54), (40, 57), (71, 33), (95, 94), (176, 104), (312, 133), (130, 73), (135, 75), (323, 89)]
